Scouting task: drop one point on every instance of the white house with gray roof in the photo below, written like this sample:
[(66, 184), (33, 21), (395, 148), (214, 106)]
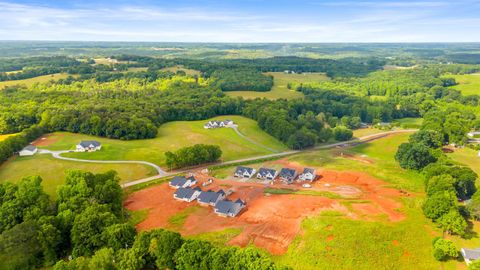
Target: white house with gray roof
[(88, 146), (470, 255), (210, 197), (244, 172), (287, 175), (187, 194), (308, 174), (28, 150), (217, 124), (266, 174), (227, 208), (182, 182)]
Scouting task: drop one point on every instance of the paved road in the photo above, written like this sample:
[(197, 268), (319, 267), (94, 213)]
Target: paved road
[(162, 173), (235, 127)]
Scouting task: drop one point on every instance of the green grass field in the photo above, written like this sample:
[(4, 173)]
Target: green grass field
[(53, 170), (31, 81), (4, 136), (408, 122), (468, 84), (172, 136), (187, 71), (468, 157), (279, 89)]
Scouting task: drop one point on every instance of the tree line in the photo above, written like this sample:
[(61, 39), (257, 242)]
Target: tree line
[(192, 155)]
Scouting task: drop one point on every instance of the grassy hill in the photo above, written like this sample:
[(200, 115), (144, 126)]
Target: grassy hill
[(468, 84), (279, 89), (31, 81)]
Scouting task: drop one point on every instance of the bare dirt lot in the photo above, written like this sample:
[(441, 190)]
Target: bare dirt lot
[(46, 140), (272, 221)]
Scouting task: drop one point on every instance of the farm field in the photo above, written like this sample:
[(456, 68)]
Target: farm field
[(279, 89), (52, 170), (468, 84), (31, 81), (360, 207), (172, 136), (4, 136)]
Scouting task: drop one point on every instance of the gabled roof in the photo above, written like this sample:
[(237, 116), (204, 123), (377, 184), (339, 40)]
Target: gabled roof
[(228, 207), (30, 148), (178, 181), (287, 173), (308, 170), (264, 171), (191, 178), (210, 196), (186, 193), (242, 170), (88, 143), (471, 254)]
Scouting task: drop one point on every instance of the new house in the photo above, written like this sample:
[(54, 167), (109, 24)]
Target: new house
[(470, 255), (187, 194), (266, 174), (28, 150), (244, 172), (308, 174), (227, 208), (287, 175), (88, 146), (210, 197), (182, 182), (217, 124)]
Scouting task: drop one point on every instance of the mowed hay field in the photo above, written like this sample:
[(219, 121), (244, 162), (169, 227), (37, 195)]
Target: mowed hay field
[(280, 89), (172, 136), (468, 84), (31, 81), (53, 170)]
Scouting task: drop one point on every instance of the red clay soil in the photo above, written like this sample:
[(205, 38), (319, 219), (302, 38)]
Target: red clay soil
[(46, 140), (271, 222)]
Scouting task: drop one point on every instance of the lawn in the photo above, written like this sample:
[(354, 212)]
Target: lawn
[(172, 136), (468, 84), (408, 122), (468, 157), (280, 82), (52, 170), (31, 81)]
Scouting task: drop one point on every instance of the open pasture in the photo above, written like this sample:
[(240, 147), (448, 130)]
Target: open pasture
[(31, 81), (468, 84)]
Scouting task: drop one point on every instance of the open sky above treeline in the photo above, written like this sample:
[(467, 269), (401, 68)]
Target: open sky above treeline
[(242, 21)]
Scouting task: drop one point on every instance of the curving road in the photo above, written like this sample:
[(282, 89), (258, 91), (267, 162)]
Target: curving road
[(235, 127), (162, 173)]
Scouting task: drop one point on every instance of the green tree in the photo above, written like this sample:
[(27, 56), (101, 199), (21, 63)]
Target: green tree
[(453, 222), (103, 259), (163, 246), (473, 206), (129, 259), (194, 254), (475, 265), (341, 133), (439, 204), (440, 183), (444, 249), (118, 236), (414, 156), (430, 138)]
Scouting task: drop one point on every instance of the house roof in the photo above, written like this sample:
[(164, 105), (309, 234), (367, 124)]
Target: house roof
[(178, 181), (186, 193), (264, 171), (471, 254), (308, 170), (210, 196), (29, 148), (287, 173), (88, 143), (242, 170), (191, 178), (228, 207)]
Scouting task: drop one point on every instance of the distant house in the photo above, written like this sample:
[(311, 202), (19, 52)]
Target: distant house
[(287, 175), (307, 175), (187, 194), (28, 150), (217, 124), (182, 182), (244, 172), (227, 208), (210, 197), (384, 124), (470, 255), (88, 146), (266, 174)]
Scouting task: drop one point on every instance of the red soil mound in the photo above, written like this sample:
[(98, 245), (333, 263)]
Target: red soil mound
[(46, 140)]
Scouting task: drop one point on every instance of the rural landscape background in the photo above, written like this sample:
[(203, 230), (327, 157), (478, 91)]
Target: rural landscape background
[(240, 135)]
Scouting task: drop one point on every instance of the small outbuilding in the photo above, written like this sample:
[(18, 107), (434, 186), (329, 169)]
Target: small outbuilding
[(244, 172), (187, 194), (88, 146), (227, 208), (28, 150)]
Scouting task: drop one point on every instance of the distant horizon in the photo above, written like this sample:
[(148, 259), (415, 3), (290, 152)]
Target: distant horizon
[(248, 21), (240, 42)]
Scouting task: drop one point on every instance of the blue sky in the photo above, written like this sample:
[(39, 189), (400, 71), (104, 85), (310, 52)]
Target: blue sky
[(242, 21)]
